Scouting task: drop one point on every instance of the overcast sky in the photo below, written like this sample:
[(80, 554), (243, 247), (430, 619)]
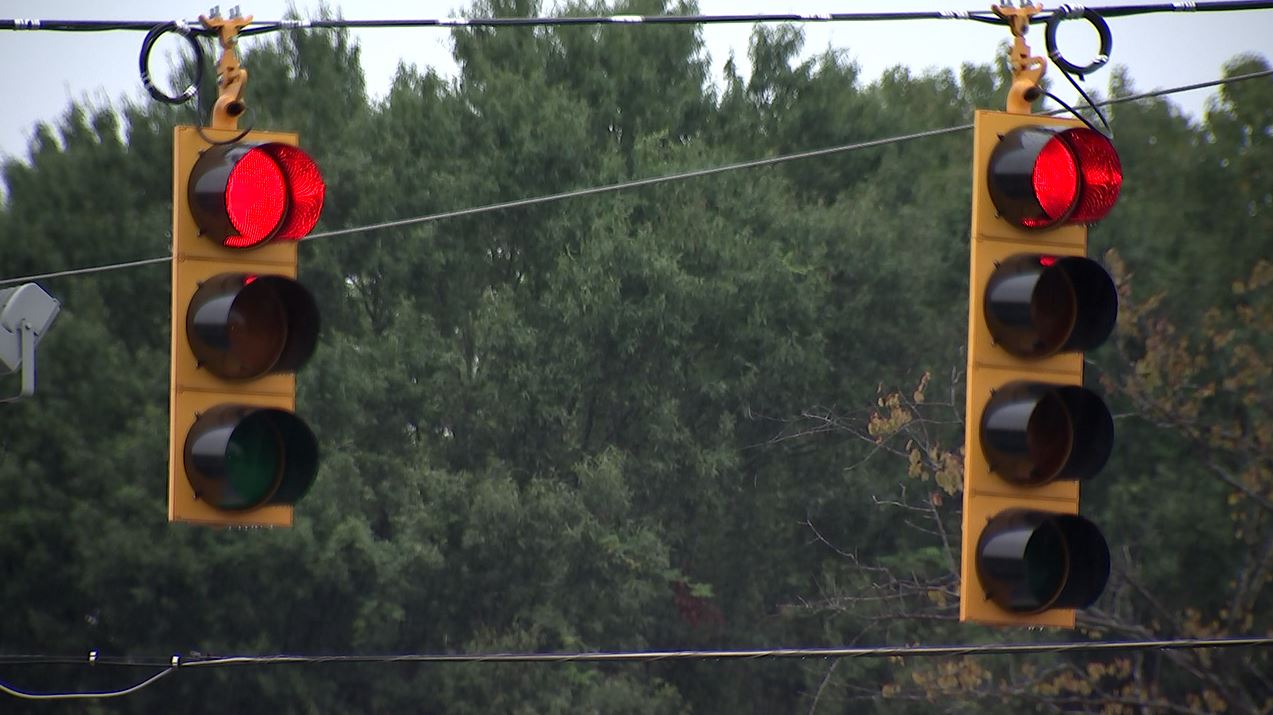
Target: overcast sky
[(45, 70)]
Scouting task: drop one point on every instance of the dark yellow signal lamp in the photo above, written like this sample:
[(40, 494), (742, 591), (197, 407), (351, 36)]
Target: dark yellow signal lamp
[(1034, 433), (242, 326), (1038, 305), (241, 457), (1031, 561)]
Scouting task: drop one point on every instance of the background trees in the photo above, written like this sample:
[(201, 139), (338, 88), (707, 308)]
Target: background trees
[(657, 418)]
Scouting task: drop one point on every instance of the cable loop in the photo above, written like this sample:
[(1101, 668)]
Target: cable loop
[(1066, 12), (181, 27), (1071, 12), (148, 45)]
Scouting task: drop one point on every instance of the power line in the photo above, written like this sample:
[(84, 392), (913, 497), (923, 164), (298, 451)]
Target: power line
[(94, 658), (87, 695), (260, 27), (636, 183), (746, 654), (551, 21), (1132, 10), (979, 15), (647, 656), (200, 661), (85, 271)]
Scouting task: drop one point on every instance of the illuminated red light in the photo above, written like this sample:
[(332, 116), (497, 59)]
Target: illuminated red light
[(1102, 175), (245, 195), (306, 189), (1047, 261), (1049, 176), (1056, 182), (255, 198)]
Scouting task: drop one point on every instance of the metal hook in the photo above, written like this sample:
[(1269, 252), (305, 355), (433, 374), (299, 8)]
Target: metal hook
[(1027, 69)]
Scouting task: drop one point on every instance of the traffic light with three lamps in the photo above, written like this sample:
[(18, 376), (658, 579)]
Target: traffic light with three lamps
[(241, 327), (1037, 303)]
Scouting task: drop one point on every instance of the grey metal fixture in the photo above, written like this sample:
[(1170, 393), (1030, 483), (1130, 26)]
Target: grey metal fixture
[(26, 312)]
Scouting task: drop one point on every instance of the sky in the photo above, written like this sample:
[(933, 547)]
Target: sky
[(49, 69)]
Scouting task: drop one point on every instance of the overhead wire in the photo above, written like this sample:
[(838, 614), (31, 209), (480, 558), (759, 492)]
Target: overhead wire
[(94, 658), (979, 15), (428, 218), (86, 270), (1172, 7), (87, 695), (566, 20), (635, 656), (260, 27), (638, 656), (637, 183)]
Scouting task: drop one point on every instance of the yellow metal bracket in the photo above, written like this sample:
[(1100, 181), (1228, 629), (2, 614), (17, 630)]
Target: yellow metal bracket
[(1027, 70), (231, 77)]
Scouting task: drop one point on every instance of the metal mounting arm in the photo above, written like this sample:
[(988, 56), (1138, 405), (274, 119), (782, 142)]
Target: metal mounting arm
[(26, 336), (231, 77), (1027, 70), (26, 312)]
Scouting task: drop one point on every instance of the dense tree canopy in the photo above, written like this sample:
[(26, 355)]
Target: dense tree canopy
[(719, 412)]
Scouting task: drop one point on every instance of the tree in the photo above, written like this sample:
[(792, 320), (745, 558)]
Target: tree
[(613, 421)]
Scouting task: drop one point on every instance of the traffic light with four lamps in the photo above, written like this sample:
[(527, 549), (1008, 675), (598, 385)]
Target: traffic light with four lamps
[(241, 327), (1037, 303)]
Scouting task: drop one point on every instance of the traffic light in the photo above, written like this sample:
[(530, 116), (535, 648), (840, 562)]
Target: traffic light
[(241, 327), (1033, 431)]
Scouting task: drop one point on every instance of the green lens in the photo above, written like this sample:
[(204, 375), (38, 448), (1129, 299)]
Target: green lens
[(252, 459), (1046, 563)]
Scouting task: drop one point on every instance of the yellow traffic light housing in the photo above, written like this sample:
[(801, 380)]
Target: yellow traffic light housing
[(241, 326), (1036, 303)]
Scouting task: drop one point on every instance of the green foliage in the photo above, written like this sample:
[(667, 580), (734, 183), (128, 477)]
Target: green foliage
[(658, 418)]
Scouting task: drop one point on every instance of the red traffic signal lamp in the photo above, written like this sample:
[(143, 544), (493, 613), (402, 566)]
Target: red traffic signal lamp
[(241, 327), (1045, 176), (1033, 431), (247, 193)]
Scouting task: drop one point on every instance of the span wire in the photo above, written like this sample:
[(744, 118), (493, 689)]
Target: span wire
[(259, 27)]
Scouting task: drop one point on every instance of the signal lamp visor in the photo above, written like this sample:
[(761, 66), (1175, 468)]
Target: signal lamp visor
[(1040, 305), (1040, 177), (244, 195), (1030, 561), (240, 457), (242, 326)]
